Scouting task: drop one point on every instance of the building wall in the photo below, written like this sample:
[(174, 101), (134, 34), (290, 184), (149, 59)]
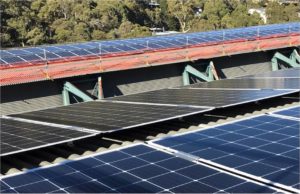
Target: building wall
[(47, 94)]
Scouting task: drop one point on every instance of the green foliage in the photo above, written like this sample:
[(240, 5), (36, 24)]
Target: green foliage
[(27, 22), (214, 11), (244, 19), (278, 14), (128, 29)]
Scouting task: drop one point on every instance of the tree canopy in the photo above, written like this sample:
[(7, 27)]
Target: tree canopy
[(27, 23)]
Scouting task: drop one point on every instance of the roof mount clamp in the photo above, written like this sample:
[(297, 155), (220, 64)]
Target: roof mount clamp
[(293, 61), (209, 75), (70, 88)]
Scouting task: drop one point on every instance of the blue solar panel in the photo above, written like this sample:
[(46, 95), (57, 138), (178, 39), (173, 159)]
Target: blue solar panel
[(170, 41), (81, 52), (293, 112), (12, 59), (264, 146), (49, 55), (64, 54), (138, 169), (32, 57), (18, 52)]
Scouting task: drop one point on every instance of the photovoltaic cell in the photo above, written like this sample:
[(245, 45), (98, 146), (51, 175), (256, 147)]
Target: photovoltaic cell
[(110, 116), (137, 169), (203, 97), (259, 83), (17, 136), (263, 146)]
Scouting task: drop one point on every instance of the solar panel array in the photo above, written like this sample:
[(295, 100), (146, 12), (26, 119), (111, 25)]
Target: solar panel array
[(265, 147), (69, 123), (255, 155), (101, 48), (131, 111), (136, 169)]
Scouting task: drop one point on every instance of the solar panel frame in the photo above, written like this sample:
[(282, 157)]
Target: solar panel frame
[(113, 161), (206, 97), (212, 161), (38, 142)]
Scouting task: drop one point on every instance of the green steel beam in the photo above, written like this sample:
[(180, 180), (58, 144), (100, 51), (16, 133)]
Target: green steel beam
[(68, 87), (293, 61), (186, 78), (191, 70), (209, 71), (274, 64), (295, 56), (66, 97)]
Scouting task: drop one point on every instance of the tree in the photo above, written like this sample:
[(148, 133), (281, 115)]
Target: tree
[(183, 11), (5, 35), (63, 30), (35, 36), (275, 13), (20, 21), (201, 25), (244, 19), (128, 30), (291, 13), (155, 17), (214, 11)]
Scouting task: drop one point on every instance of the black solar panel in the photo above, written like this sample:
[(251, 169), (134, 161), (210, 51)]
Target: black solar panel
[(284, 73), (264, 146), (17, 136), (203, 97), (109, 116), (259, 83), (137, 169)]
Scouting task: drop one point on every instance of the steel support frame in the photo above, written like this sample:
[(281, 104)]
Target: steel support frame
[(293, 61), (207, 76), (70, 88)]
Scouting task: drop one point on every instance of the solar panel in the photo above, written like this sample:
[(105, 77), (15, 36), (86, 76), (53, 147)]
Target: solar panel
[(259, 83), (203, 97), (110, 116), (284, 73), (135, 169), (265, 147), (17, 136), (12, 59), (293, 112), (170, 41)]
